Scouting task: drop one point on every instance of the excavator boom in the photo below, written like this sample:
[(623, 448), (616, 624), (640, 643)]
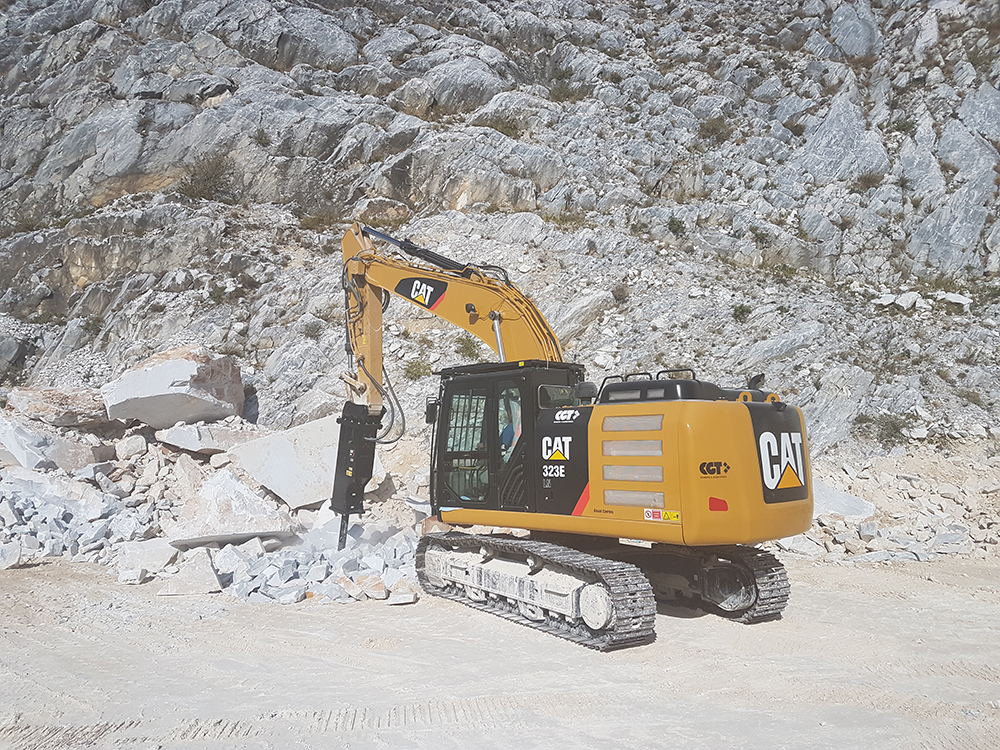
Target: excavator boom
[(479, 299)]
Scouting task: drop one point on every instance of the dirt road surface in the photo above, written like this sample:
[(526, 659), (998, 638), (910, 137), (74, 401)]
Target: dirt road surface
[(865, 657)]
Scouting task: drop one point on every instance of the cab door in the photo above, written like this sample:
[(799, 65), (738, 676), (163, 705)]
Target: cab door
[(483, 444)]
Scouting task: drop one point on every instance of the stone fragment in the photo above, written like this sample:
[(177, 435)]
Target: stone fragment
[(800, 544), (353, 590), (206, 439), (571, 320), (290, 594), (373, 586), (402, 597), (130, 447), (189, 384), (196, 576), (74, 407), (10, 555), (297, 464), (131, 576)]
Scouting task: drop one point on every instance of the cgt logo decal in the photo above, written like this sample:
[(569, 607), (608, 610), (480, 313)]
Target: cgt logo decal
[(424, 292), (566, 415), (781, 462), (555, 448), (714, 468)]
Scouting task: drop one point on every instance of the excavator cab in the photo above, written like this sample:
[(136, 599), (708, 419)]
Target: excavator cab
[(486, 414)]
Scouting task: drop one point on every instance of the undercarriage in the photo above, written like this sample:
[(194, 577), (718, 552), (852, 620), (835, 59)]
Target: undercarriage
[(595, 594)]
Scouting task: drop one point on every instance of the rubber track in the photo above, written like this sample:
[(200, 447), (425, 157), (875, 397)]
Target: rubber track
[(769, 574), (632, 596)]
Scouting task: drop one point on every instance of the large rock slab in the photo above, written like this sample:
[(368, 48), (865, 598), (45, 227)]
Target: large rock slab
[(189, 384), (206, 439), (225, 509), (36, 446), (827, 500), (297, 464), (73, 407)]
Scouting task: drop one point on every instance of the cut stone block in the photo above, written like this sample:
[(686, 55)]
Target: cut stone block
[(206, 439), (227, 510), (297, 464), (189, 384), (152, 555), (72, 407), (196, 576)]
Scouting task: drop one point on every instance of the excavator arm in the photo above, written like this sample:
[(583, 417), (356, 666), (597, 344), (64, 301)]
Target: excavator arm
[(479, 299)]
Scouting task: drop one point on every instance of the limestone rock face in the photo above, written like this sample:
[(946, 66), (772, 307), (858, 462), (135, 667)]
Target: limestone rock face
[(189, 384), (841, 148)]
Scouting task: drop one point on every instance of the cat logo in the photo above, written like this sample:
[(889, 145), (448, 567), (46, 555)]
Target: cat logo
[(566, 415), (555, 448), (424, 292), (781, 461)]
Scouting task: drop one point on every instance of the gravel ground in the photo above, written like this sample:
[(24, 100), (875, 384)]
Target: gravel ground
[(872, 656)]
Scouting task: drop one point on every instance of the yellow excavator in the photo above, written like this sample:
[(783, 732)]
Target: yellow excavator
[(653, 486)]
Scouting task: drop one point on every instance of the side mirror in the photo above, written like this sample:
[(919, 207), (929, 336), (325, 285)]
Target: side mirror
[(431, 411), (586, 391)]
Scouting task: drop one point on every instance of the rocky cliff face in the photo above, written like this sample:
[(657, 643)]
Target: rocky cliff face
[(803, 188)]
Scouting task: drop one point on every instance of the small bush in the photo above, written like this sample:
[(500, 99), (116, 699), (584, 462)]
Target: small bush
[(676, 227), (261, 138), (313, 330), (903, 126), (889, 428), (467, 347), (797, 128), (865, 182), (620, 291), (715, 129), (416, 369), (93, 325), (211, 178), (741, 312)]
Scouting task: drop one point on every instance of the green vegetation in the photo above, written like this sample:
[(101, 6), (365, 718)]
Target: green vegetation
[(416, 369), (467, 346), (741, 312), (676, 227)]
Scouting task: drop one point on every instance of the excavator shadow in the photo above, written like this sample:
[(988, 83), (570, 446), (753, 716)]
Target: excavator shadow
[(679, 611)]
